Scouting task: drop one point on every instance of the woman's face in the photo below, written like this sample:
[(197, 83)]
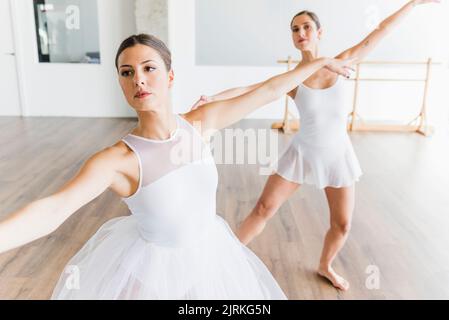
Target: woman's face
[(305, 34), (144, 78)]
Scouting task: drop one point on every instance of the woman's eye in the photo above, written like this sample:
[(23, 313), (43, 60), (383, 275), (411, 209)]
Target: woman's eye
[(125, 73), (307, 27), (149, 69), (295, 30)]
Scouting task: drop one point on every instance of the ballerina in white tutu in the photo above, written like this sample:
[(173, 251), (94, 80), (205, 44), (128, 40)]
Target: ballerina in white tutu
[(321, 154), (173, 245)]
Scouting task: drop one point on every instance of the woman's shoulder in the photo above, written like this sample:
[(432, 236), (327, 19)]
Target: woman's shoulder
[(119, 150), (117, 155), (125, 165), (190, 116)]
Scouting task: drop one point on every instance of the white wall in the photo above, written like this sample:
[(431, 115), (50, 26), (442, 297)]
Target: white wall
[(191, 80), (345, 23), (9, 89), (256, 32), (93, 91), (80, 90)]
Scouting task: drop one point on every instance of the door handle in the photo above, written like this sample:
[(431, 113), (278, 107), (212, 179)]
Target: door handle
[(10, 54)]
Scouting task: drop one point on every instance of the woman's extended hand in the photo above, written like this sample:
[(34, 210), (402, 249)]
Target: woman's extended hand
[(418, 2), (341, 66), (203, 100)]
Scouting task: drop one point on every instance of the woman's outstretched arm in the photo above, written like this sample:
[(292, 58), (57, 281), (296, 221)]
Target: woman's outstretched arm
[(41, 217), (220, 114), (231, 93), (368, 44), (224, 95)]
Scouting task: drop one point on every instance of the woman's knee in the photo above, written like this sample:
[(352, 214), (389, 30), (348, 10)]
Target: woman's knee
[(266, 208), (342, 227)]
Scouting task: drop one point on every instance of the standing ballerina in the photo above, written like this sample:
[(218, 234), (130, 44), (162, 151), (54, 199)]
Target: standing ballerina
[(321, 154), (173, 245)]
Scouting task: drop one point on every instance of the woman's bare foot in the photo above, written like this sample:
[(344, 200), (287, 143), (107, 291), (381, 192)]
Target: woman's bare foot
[(337, 281)]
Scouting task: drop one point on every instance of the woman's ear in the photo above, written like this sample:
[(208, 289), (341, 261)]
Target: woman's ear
[(171, 78), (320, 33)]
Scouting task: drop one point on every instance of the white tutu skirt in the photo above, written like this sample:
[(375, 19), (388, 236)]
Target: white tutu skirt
[(117, 263), (335, 165)]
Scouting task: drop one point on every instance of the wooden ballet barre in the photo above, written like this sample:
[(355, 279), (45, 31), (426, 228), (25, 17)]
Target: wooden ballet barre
[(400, 62), (355, 122), (287, 126), (375, 62), (418, 124), (389, 80)]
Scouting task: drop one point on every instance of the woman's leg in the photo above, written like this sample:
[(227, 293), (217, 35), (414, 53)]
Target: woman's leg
[(277, 190), (341, 206)]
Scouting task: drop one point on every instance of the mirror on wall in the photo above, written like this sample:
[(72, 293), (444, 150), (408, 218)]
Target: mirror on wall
[(67, 31)]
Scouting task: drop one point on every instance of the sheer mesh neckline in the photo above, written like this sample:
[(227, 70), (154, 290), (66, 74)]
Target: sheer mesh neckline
[(158, 158), (172, 134)]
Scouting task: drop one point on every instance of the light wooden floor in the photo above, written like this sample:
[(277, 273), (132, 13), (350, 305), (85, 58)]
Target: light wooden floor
[(401, 222)]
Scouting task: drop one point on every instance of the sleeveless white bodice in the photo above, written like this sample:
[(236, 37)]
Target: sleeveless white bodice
[(176, 196)]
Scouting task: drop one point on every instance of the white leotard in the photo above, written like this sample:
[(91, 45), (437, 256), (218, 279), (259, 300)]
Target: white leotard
[(321, 153)]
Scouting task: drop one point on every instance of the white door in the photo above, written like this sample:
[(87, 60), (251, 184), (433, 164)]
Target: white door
[(10, 101)]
